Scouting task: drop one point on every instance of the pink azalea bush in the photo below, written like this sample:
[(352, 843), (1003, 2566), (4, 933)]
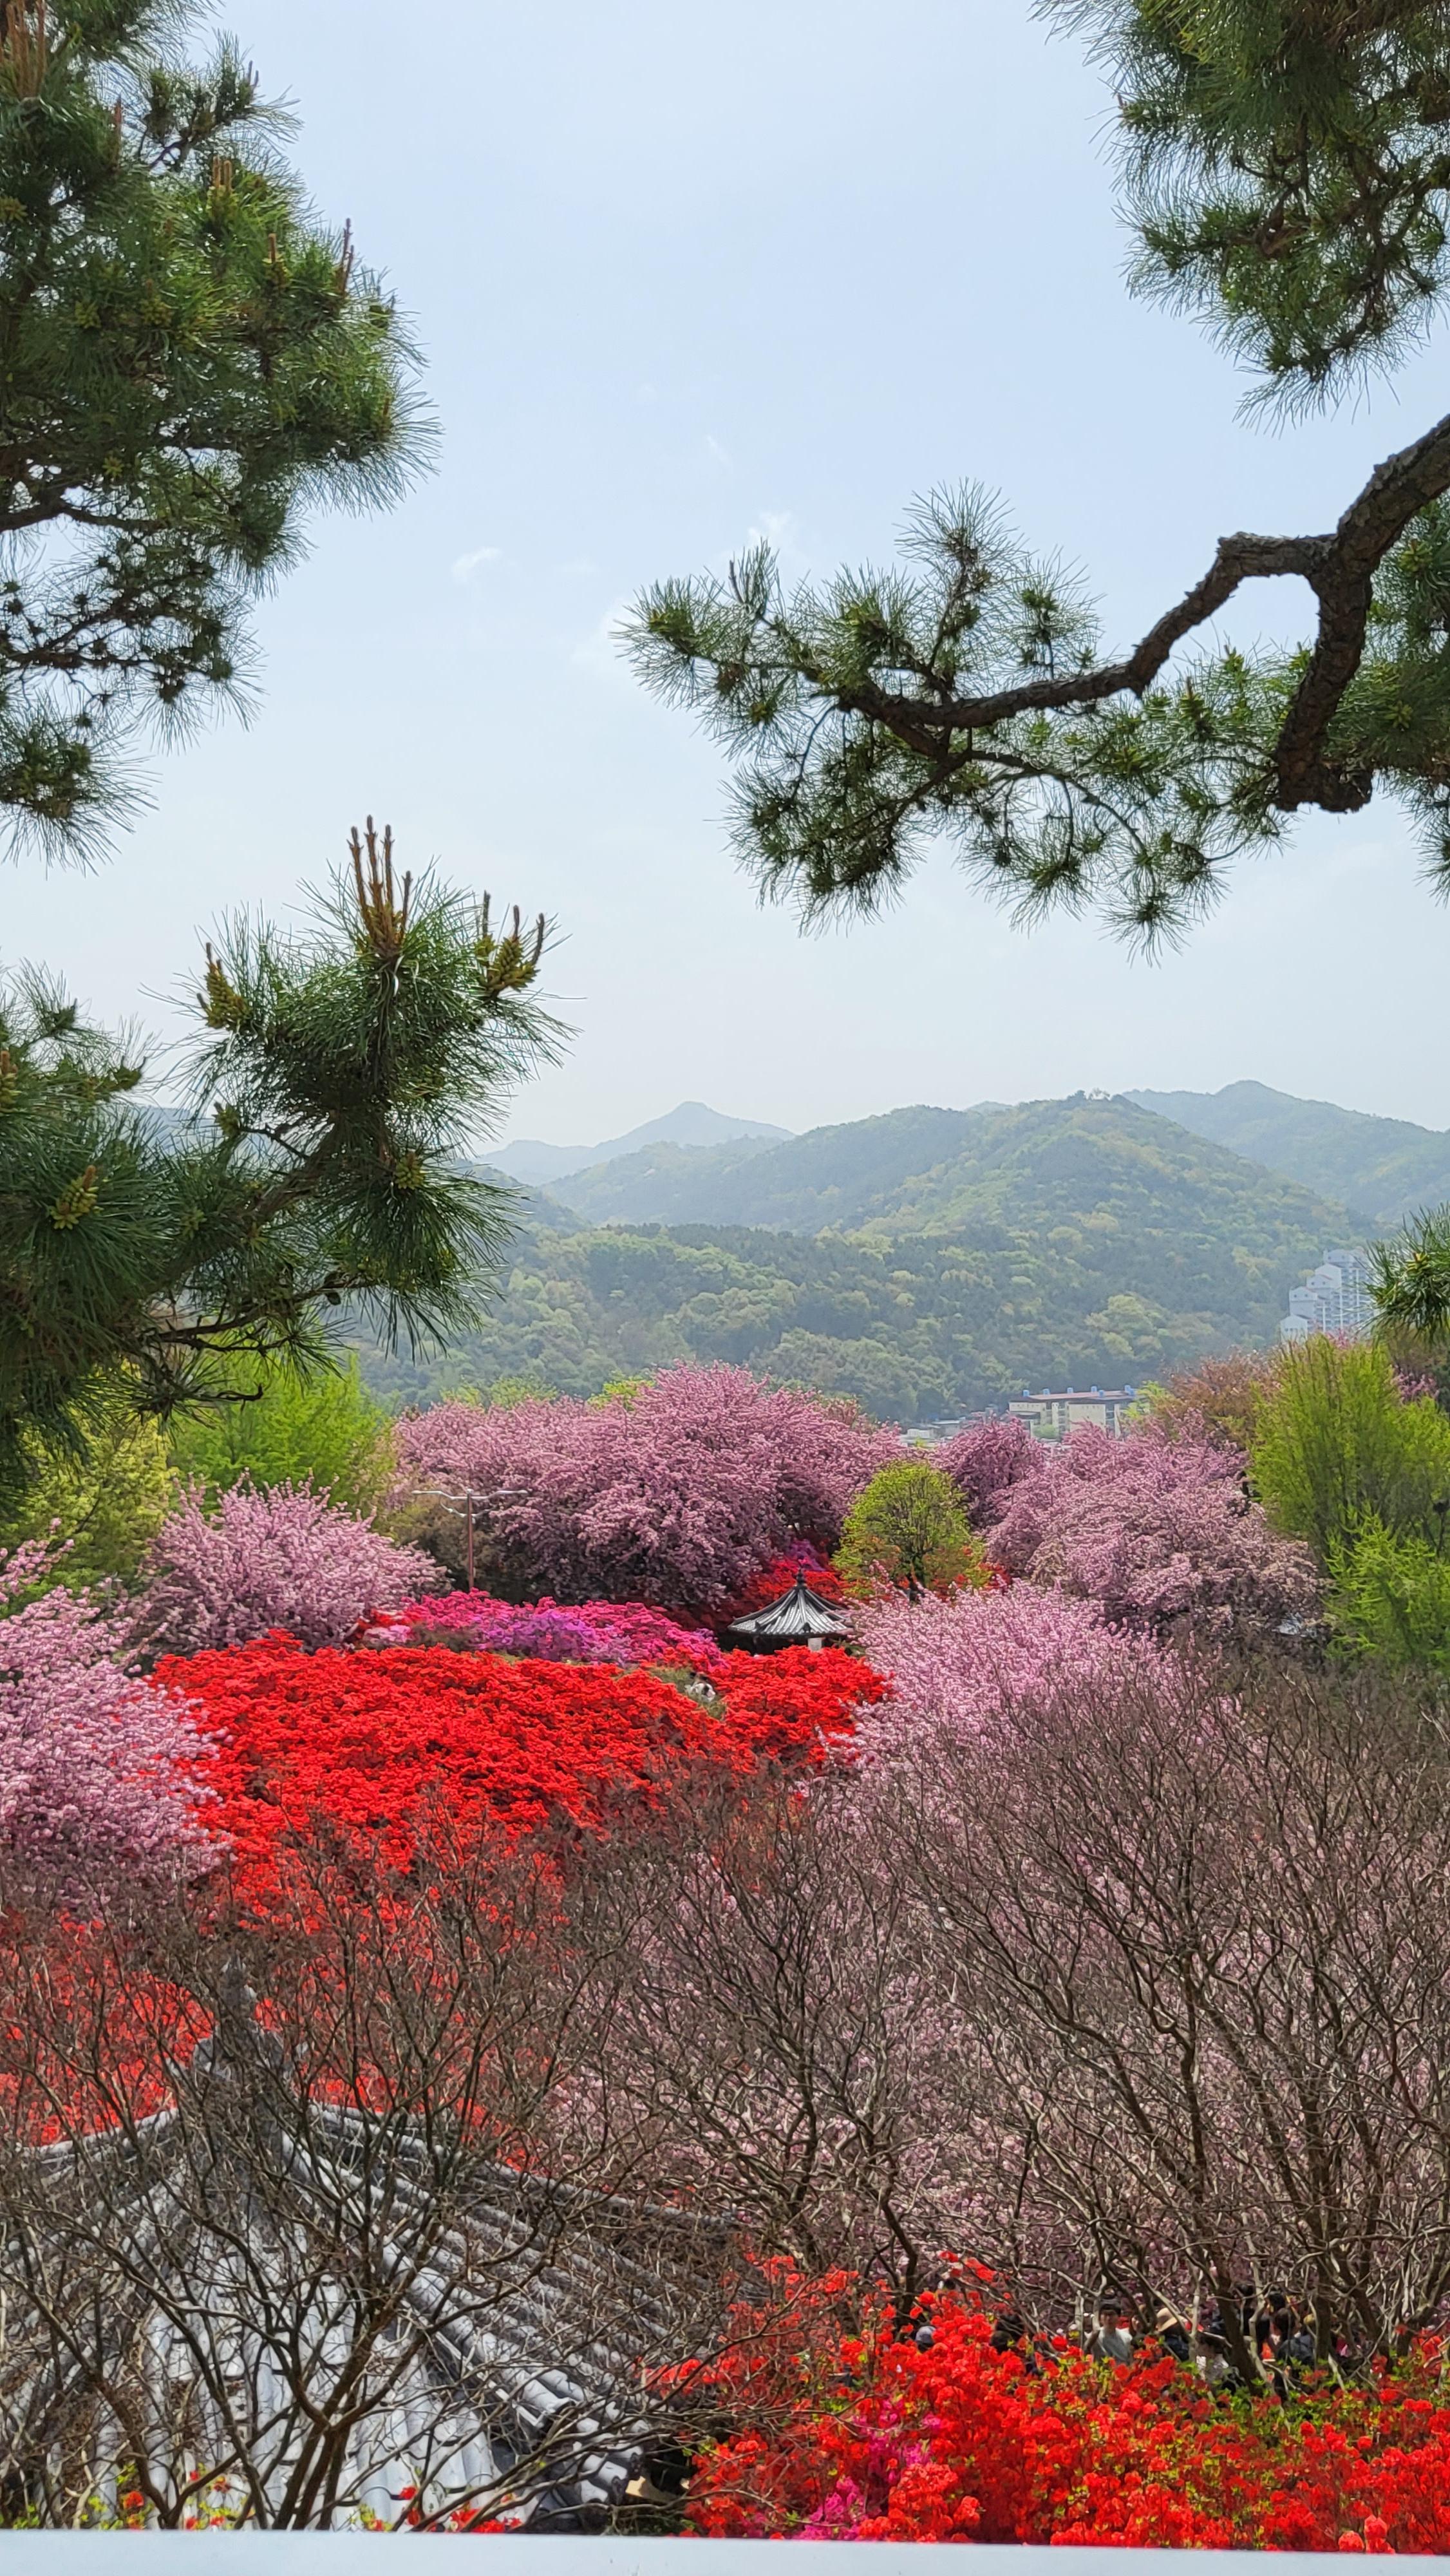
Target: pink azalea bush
[(672, 1496), (960, 1664), (589, 1632), (1154, 1530), (285, 1558), (95, 1764)]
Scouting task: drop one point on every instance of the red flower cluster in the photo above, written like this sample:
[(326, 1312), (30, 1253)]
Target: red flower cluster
[(365, 1748), (875, 2439)]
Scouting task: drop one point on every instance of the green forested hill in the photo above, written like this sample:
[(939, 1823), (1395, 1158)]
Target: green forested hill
[(1039, 1164), (1080, 1241), (1385, 1167)]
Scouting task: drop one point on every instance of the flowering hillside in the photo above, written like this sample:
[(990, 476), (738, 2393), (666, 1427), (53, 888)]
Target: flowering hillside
[(1032, 1923)]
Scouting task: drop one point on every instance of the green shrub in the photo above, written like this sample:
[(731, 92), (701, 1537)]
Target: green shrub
[(908, 1529), (106, 1506), (1391, 1599), (1338, 1450), (324, 1429)]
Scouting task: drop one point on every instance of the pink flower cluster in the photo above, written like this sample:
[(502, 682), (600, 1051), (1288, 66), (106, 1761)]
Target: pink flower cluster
[(591, 1632), (673, 1495), (1152, 1530), (986, 1461), (961, 1664), (94, 1763), (281, 1559)]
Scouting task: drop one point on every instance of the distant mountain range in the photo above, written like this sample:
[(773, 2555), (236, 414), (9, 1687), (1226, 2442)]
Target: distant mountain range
[(929, 1262), (692, 1124), (1382, 1169), (947, 1171)]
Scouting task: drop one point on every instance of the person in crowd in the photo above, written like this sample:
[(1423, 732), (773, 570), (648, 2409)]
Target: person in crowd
[(1114, 2339)]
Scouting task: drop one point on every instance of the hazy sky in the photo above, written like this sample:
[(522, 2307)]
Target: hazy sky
[(681, 273)]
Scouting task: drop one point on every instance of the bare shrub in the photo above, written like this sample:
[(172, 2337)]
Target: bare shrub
[(1204, 1938), (344, 2255)]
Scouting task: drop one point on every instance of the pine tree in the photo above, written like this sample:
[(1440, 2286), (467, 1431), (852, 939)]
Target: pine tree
[(188, 357), (338, 1078), (1286, 174)]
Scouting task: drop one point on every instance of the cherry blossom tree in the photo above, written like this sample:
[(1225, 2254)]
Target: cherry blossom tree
[(94, 1761), (959, 1665), (986, 1460), (281, 1559), (673, 1493), (1153, 1531)]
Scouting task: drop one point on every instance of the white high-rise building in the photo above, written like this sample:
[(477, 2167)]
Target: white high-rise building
[(1335, 1298)]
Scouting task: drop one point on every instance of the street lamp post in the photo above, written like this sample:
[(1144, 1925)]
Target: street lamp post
[(462, 1507)]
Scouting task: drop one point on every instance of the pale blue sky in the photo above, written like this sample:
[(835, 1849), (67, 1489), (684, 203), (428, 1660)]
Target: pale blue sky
[(680, 273)]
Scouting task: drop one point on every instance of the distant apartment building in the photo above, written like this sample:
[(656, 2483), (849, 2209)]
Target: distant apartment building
[(1052, 1417), (1335, 1298)]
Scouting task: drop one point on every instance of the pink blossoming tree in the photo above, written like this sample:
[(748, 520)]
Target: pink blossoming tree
[(1154, 1531), (960, 1665), (95, 1774), (986, 1461), (673, 1495), (280, 1559)]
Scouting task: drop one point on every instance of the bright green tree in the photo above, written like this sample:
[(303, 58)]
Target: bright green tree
[(189, 358), (1286, 177), (339, 1074), (908, 1529), (1338, 1450), (105, 1505), (290, 1428), (1390, 1600)]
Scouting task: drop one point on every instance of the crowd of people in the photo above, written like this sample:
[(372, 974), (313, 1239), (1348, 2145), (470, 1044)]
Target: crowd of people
[(1277, 2335)]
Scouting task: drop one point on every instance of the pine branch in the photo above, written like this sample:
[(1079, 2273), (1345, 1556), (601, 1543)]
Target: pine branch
[(1339, 567)]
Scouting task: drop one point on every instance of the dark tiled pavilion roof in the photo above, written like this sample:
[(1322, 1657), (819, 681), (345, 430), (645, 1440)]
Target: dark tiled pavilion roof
[(796, 1617)]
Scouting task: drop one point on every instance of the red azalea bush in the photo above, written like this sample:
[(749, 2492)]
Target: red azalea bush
[(674, 1494), (366, 1749), (859, 2435)]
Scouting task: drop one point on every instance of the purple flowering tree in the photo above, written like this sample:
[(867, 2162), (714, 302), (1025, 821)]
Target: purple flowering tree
[(673, 1495), (590, 1632), (986, 1461), (95, 1774), (280, 1559), (1154, 1531)]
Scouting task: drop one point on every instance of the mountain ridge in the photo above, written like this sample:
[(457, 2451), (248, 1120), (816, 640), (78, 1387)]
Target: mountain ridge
[(691, 1124), (1031, 1164), (1386, 1168), (1077, 1241)]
